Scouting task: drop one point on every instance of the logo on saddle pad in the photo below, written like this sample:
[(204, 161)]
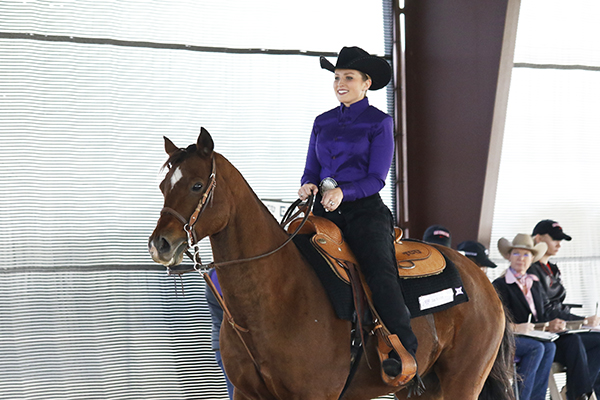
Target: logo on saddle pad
[(412, 252)]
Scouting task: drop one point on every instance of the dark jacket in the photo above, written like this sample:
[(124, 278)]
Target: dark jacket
[(554, 289), (516, 304)]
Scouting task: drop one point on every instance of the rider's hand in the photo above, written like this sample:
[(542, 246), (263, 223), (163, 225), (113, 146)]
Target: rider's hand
[(332, 199), (306, 190)]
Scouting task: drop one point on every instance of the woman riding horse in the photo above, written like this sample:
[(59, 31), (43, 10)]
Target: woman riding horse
[(283, 339), (352, 146)]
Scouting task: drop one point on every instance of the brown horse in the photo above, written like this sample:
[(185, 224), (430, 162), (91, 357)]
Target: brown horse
[(301, 349)]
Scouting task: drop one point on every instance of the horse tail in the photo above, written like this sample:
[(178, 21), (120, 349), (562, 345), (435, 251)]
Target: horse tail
[(498, 383)]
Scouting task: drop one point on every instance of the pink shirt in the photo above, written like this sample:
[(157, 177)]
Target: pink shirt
[(525, 282)]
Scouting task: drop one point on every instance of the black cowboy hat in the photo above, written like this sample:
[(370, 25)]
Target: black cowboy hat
[(356, 58)]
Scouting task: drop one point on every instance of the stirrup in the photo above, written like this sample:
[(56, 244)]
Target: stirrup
[(386, 343)]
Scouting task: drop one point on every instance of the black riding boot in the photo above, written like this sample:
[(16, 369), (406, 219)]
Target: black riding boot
[(368, 227)]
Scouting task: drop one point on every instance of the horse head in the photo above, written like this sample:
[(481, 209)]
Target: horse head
[(188, 189)]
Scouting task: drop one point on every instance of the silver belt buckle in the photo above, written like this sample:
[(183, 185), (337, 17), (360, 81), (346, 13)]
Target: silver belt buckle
[(327, 184)]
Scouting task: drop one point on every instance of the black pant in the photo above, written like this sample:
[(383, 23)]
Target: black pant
[(368, 227), (580, 353)]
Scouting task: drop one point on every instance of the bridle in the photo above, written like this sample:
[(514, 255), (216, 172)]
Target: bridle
[(194, 245), (188, 225)]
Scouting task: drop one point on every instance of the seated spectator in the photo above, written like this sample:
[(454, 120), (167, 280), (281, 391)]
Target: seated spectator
[(216, 315), (588, 344), (551, 233), (438, 234), (477, 253), (524, 301)]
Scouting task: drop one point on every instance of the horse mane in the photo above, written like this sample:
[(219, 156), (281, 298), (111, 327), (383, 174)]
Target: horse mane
[(179, 156), (182, 154)]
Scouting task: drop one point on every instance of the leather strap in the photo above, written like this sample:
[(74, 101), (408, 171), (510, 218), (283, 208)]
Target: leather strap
[(238, 329), (386, 342), (358, 294), (242, 260)]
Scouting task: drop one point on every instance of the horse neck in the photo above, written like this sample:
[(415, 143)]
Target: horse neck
[(250, 229)]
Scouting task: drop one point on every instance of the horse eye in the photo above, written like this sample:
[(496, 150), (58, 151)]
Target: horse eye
[(197, 187)]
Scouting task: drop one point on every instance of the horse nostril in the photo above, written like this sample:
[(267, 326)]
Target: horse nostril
[(162, 245)]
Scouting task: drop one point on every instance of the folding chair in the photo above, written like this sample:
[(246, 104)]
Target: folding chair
[(555, 394), (516, 379)]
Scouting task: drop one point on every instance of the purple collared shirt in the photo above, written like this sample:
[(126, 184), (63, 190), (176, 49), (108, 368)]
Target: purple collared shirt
[(353, 145)]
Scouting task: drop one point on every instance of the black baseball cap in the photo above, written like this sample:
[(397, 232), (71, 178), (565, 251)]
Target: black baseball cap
[(476, 252), (552, 228), (438, 234)]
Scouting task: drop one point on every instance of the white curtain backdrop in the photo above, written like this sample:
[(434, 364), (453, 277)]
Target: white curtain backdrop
[(550, 165), (87, 91)]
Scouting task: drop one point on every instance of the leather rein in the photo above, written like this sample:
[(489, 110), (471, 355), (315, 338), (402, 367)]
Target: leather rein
[(194, 244)]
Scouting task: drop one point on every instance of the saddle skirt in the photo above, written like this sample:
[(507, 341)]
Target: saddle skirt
[(414, 259)]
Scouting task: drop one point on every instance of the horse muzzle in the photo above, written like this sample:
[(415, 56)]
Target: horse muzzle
[(165, 251)]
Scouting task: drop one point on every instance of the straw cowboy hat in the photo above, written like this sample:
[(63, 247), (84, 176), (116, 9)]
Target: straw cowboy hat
[(522, 241), (356, 58)]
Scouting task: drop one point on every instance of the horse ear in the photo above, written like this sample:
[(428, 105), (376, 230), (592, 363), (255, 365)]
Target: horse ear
[(170, 148), (205, 143)]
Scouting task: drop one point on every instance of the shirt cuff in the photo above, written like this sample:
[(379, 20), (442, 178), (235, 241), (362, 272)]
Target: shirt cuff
[(348, 191)]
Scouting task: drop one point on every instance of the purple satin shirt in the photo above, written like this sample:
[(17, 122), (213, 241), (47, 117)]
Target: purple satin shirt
[(353, 145)]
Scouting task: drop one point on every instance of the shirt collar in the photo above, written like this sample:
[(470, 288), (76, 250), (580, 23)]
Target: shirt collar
[(510, 276), (349, 114)]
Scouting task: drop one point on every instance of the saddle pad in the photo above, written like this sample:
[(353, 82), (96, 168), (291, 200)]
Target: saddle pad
[(339, 292), (434, 293), (422, 295)]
